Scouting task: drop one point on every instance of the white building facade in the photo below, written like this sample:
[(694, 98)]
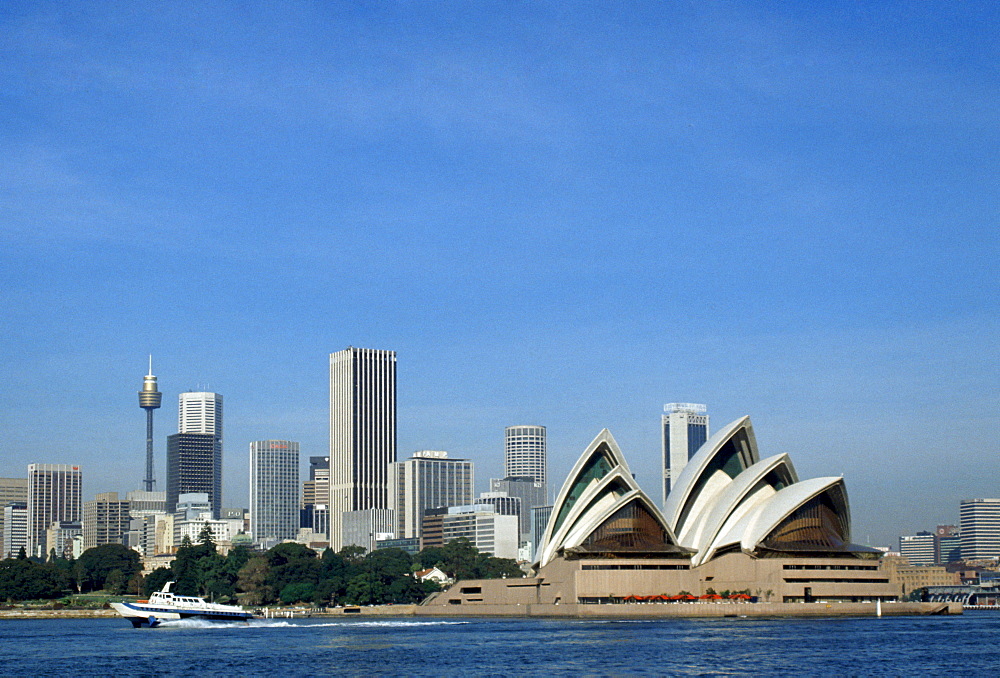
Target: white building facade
[(54, 494), (362, 432), (684, 429)]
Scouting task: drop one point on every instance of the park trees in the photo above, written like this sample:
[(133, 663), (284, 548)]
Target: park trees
[(97, 566)]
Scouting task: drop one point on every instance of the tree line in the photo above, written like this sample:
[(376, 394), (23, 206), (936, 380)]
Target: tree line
[(287, 573)]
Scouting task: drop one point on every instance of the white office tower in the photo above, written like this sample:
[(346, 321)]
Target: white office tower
[(980, 526), (524, 453), (429, 479), (684, 430), (919, 548), (362, 432), (274, 489), (15, 531), (54, 493), (200, 412)]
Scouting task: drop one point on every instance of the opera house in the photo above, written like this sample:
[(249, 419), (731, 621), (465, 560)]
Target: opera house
[(732, 523)]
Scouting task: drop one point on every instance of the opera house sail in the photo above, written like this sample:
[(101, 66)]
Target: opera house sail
[(733, 523)]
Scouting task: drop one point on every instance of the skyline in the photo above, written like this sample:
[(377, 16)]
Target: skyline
[(555, 216)]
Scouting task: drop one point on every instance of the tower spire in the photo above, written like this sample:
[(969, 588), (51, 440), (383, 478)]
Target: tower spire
[(149, 400)]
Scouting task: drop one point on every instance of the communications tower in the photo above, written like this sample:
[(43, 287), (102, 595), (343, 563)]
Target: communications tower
[(149, 400)]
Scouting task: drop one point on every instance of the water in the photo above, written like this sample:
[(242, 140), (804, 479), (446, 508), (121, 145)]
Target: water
[(887, 646)]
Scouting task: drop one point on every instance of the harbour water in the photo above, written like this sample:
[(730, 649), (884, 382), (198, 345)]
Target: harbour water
[(886, 646)]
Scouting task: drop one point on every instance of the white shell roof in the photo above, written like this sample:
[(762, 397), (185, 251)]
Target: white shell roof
[(695, 468)]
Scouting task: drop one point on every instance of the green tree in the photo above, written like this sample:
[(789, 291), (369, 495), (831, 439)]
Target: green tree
[(300, 592), (458, 559), (252, 582), (21, 579), (96, 564), (365, 589)]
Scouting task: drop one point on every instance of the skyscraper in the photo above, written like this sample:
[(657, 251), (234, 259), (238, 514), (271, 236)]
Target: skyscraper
[(524, 453), (429, 479), (200, 412), (54, 493), (362, 432), (531, 493), (194, 453), (980, 526), (194, 464), (274, 489), (149, 400), (685, 429)]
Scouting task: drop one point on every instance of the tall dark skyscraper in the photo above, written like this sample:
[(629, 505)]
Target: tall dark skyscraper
[(149, 400), (194, 455), (362, 432)]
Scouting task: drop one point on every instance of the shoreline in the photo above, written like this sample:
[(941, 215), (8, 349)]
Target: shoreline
[(634, 611)]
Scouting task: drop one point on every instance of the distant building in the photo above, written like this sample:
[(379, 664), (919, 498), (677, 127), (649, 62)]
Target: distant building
[(949, 544), (54, 494), (411, 545), (491, 533), (684, 429), (531, 492), (105, 520), (362, 433), (919, 548), (366, 527), (194, 465), (200, 412), (144, 503), (979, 521), (525, 453), (502, 504), (274, 489), (912, 577), (539, 521), (429, 479), (15, 533), (59, 538), (11, 489)]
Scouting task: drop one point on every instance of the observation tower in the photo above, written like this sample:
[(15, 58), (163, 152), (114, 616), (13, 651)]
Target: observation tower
[(149, 400)]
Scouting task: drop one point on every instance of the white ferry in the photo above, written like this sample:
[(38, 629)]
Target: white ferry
[(165, 606)]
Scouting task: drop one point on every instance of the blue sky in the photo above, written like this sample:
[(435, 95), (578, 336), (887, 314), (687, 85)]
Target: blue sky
[(556, 213)]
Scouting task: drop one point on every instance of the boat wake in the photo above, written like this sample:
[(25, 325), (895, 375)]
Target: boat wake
[(286, 624)]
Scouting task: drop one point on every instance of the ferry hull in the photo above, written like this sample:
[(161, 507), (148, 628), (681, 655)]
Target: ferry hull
[(146, 615)]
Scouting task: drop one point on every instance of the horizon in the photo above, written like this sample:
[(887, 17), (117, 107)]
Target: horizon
[(566, 215)]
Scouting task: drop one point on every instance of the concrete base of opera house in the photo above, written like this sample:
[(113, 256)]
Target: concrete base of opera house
[(707, 609)]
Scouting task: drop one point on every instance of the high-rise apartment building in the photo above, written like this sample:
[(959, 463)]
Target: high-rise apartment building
[(979, 521), (11, 489), (429, 479), (54, 493), (105, 520), (362, 432), (274, 489), (684, 429), (194, 464), (525, 453)]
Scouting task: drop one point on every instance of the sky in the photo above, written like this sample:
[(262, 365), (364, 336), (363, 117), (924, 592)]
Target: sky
[(564, 214)]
